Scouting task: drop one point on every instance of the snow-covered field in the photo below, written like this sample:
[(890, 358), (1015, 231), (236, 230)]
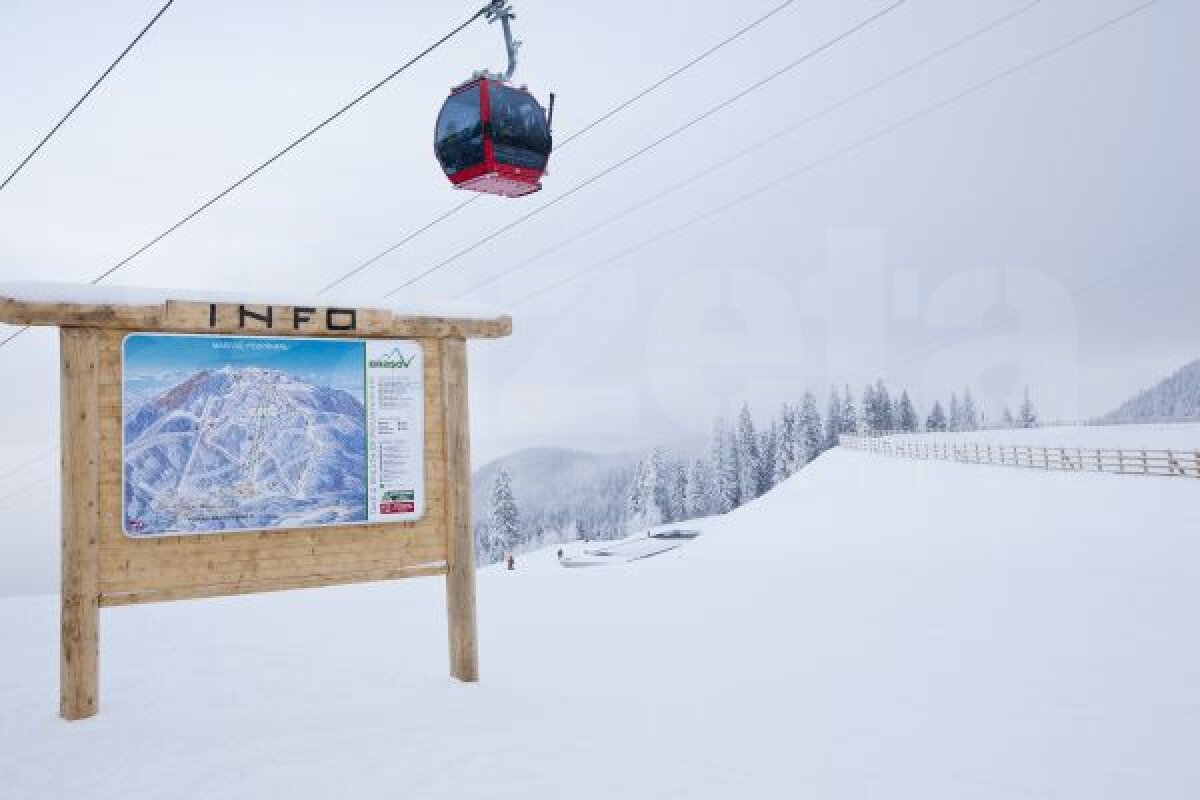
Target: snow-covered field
[(873, 628), (1165, 436)]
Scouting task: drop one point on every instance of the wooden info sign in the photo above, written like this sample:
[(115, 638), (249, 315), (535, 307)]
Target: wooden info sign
[(218, 448)]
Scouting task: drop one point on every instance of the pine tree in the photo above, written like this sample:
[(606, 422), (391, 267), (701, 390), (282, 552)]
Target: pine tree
[(833, 419), (810, 427), (906, 415), (725, 468), (885, 417), (635, 500), (701, 491), (658, 493), (870, 409), (954, 417), (785, 446), (747, 457), (506, 519), (679, 491), (970, 417), (768, 441), (1009, 420), (1027, 416), (849, 413), (937, 418)]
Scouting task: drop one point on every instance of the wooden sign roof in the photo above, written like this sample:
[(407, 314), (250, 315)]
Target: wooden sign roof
[(89, 306)]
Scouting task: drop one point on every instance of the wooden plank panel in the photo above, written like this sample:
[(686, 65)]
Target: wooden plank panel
[(248, 587), (185, 316), (460, 559), (81, 463)]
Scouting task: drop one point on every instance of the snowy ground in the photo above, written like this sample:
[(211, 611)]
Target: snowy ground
[(874, 628), (1168, 436)]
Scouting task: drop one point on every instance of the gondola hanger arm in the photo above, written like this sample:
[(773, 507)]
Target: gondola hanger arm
[(502, 10)]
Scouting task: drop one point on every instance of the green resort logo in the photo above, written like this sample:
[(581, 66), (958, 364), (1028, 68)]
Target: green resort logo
[(393, 359)]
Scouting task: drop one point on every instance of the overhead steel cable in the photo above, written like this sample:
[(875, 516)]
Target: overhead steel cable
[(85, 96), (200, 209), (6, 499), (612, 112), (856, 145), (15, 469), (278, 155), (758, 145), (821, 48)]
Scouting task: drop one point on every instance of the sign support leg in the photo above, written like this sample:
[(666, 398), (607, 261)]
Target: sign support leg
[(80, 454), (460, 550)]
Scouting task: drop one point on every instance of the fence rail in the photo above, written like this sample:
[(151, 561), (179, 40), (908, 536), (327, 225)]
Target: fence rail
[(1176, 463)]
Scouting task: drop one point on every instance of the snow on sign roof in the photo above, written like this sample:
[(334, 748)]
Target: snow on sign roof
[(44, 303)]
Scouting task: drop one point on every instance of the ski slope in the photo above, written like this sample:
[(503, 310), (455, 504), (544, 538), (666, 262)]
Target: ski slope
[(873, 628)]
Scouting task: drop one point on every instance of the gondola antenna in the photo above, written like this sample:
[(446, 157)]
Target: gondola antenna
[(502, 10)]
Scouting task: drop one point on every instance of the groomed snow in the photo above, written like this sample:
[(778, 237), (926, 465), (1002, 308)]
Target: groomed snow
[(49, 292), (873, 628)]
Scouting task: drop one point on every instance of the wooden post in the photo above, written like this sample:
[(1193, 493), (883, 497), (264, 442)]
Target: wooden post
[(80, 446), (460, 549)]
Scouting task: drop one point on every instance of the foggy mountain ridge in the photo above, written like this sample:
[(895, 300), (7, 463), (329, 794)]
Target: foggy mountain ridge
[(1177, 395)]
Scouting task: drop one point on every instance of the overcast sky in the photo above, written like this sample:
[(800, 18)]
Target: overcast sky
[(1039, 230)]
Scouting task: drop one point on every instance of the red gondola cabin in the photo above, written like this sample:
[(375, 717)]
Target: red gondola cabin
[(493, 137)]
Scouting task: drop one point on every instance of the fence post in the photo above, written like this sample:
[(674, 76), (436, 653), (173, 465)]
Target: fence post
[(1145, 465)]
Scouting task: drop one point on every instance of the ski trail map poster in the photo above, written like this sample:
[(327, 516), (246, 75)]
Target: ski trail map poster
[(250, 433)]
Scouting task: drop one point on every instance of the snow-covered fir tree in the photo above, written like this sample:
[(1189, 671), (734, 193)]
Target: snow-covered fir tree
[(1027, 416), (768, 440), (849, 420), (679, 483), (635, 501), (1009, 420), (647, 493), (906, 415), (970, 416), (954, 414), (505, 525), (833, 419), (701, 491), (870, 409), (723, 457), (884, 410), (659, 474), (784, 445), (810, 427), (937, 418), (746, 453)]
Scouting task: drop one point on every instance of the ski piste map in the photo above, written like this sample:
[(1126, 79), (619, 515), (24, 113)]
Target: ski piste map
[(250, 433)]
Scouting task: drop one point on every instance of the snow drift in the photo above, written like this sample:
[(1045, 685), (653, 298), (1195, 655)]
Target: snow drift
[(872, 628)]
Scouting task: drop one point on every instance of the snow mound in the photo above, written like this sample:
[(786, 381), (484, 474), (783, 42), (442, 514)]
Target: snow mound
[(873, 627)]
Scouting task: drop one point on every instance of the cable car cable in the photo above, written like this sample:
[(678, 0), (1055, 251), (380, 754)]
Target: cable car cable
[(280, 154), (826, 45), (85, 96), (856, 145), (14, 470), (761, 143), (612, 112), (291, 146)]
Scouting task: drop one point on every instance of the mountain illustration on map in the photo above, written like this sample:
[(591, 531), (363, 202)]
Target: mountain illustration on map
[(244, 448)]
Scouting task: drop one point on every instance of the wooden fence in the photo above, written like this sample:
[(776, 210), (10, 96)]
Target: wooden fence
[(1177, 463)]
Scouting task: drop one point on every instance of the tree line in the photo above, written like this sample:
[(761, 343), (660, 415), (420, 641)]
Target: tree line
[(743, 460)]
